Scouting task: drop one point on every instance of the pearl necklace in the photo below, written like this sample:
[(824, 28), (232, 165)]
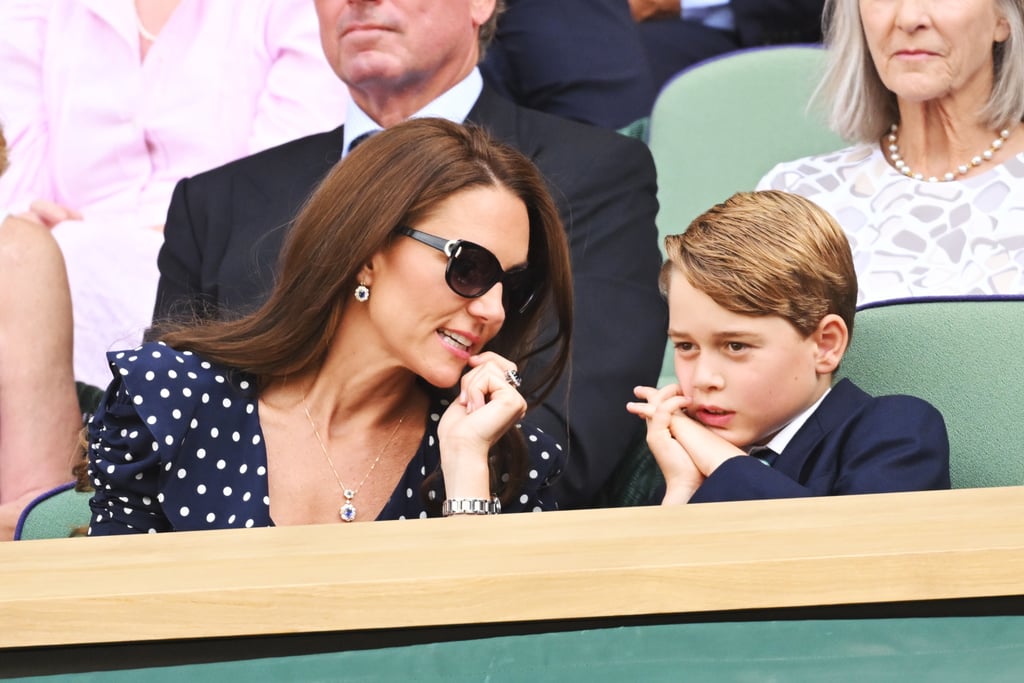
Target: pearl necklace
[(347, 511), (962, 169)]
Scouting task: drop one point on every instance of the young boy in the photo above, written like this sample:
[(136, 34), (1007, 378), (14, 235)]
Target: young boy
[(762, 293)]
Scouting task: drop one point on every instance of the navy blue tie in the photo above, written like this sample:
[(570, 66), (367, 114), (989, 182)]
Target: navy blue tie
[(360, 139), (764, 454)]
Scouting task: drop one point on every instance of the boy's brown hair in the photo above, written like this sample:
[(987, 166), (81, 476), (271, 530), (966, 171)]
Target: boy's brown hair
[(768, 253)]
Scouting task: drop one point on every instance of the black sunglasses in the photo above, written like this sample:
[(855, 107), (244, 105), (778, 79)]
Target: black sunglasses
[(472, 270)]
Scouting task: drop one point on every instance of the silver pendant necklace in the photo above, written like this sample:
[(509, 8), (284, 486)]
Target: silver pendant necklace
[(347, 511)]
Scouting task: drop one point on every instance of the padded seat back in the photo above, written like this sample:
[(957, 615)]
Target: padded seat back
[(963, 355)]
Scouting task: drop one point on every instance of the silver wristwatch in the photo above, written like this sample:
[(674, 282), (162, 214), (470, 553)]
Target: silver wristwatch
[(471, 506)]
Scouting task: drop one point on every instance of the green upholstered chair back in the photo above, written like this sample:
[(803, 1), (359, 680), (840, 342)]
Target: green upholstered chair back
[(719, 126), (964, 356), (58, 513), (62, 511)]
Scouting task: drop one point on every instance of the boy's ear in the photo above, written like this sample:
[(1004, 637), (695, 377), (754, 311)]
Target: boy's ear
[(830, 338)]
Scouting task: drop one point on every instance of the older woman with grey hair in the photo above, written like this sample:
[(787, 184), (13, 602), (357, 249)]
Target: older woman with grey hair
[(932, 193)]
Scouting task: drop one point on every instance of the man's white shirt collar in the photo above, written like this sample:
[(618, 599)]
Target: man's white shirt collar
[(454, 104)]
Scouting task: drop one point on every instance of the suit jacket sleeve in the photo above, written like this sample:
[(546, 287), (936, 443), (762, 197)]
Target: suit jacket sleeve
[(225, 228), (180, 292), (896, 443), (581, 59)]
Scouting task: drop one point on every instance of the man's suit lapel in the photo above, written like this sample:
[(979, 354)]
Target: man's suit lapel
[(501, 119), (493, 113)]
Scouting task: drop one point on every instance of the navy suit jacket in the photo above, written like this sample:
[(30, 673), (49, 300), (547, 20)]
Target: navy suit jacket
[(777, 22), (675, 44), (853, 443), (225, 229), (581, 59)]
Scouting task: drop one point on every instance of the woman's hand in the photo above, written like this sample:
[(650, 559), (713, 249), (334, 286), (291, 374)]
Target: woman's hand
[(50, 214), (658, 407), (487, 407), (642, 10)]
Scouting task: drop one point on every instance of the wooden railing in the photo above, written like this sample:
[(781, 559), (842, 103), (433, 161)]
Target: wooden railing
[(514, 568)]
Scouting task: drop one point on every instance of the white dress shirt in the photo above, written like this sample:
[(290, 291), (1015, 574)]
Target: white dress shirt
[(454, 105), (713, 13)]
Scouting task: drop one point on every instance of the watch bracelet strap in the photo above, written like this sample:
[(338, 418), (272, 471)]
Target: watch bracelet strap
[(470, 506)]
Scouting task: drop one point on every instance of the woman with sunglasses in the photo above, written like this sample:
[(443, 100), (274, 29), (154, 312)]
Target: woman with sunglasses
[(381, 380)]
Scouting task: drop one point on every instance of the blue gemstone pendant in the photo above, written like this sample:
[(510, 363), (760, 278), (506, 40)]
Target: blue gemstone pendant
[(348, 510)]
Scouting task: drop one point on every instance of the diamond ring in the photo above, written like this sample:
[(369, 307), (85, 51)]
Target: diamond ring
[(513, 378)]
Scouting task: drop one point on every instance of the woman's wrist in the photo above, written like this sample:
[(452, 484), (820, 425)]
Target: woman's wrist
[(466, 475)]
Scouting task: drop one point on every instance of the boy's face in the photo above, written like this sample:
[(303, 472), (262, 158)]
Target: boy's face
[(747, 376)]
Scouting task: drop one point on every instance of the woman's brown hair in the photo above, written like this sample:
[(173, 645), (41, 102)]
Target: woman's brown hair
[(398, 177)]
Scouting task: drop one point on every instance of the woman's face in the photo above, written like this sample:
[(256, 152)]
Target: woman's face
[(416, 317), (929, 49)]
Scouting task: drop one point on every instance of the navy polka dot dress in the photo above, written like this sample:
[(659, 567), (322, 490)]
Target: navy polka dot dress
[(176, 445)]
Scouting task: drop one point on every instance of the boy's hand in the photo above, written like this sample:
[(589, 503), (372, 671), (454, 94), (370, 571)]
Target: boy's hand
[(707, 449), (657, 407)]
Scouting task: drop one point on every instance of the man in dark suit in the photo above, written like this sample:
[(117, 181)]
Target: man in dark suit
[(402, 58), (677, 34), (581, 59)]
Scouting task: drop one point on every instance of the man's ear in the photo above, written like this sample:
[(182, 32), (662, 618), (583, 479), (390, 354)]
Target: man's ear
[(830, 339), (481, 10)]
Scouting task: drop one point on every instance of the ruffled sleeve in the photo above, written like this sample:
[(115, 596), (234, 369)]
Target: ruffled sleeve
[(125, 460), (175, 445)]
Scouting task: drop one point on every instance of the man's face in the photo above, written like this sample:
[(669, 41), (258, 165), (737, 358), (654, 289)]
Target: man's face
[(401, 45)]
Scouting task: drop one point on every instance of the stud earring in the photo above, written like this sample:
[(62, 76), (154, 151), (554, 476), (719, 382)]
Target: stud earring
[(362, 293)]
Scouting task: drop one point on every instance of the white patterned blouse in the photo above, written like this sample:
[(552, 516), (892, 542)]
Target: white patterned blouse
[(912, 237)]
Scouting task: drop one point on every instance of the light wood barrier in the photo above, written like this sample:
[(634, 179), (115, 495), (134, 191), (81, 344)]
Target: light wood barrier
[(593, 563)]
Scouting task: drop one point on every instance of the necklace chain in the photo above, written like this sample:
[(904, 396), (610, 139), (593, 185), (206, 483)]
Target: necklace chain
[(143, 31), (347, 512), (962, 169)]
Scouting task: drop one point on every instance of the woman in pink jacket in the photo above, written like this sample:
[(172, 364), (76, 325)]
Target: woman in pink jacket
[(108, 103)]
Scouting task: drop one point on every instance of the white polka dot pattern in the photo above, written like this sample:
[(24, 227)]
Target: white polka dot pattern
[(176, 445)]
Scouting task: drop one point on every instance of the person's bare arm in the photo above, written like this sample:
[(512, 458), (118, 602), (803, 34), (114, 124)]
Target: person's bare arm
[(39, 415)]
